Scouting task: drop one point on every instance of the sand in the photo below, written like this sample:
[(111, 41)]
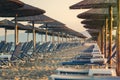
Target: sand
[(40, 68)]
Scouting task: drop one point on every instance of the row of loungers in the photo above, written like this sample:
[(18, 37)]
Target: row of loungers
[(23, 50), (90, 56)]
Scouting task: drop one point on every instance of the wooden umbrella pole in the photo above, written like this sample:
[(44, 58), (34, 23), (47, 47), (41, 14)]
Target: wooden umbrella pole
[(66, 37), (53, 37), (27, 37), (110, 33), (106, 31), (46, 34), (62, 36), (99, 40), (34, 38), (5, 35), (102, 40), (41, 38), (16, 28), (17, 35), (58, 37), (118, 39)]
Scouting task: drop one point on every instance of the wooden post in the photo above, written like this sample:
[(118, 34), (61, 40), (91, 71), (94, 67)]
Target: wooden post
[(46, 34), (17, 35), (5, 35), (41, 38), (16, 28), (110, 33), (106, 31), (34, 37), (53, 37), (66, 37), (99, 40), (102, 40), (118, 39), (62, 37), (58, 37), (28, 37)]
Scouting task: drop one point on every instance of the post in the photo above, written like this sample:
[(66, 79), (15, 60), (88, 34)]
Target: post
[(66, 38), (53, 37), (62, 37), (34, 37), (99, 39), (16, 29), (118, 39), (46, 34), (58, 37), (102, 40), (106, 31), (41, 38), (5, 35), (17, 35), (110, 33), (28, 37)]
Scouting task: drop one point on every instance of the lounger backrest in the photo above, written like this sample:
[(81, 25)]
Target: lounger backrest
[(9, 47), (24, 46), (113, 53), (17, 51), (28, 47), (51, 47), (3, 49), (1, 44)]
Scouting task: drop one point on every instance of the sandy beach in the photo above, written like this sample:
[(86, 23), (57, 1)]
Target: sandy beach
[(40, 68)]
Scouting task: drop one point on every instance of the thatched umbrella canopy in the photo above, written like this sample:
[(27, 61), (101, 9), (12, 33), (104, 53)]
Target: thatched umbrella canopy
[(93, 32), (96, 14), (85, 4), (48, 25), (35, 19), (92, 26), (10, 4), (91, 23), (26, 10), (9, 25)]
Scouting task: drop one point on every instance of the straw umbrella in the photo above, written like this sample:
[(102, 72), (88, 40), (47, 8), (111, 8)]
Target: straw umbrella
[(99, 4), (26, 10), (33, 19), (118, 38), (9, 25), (85, 4), (48, 24), (10, 4), (101, 14)]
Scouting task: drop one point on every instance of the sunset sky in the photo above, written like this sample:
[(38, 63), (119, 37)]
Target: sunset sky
[(59, 10)]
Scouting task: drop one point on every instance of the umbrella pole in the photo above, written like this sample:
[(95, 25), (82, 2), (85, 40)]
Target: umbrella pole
[(118, 39), (110, 34), (17, 35), (66, 37), (41, 38), (46, 34), (53, 37), (98, 40), (62, 36), (16, 28), (34, 37), (106, 31), (27, 37), (5, 35), (58, 38), (102, 40)]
